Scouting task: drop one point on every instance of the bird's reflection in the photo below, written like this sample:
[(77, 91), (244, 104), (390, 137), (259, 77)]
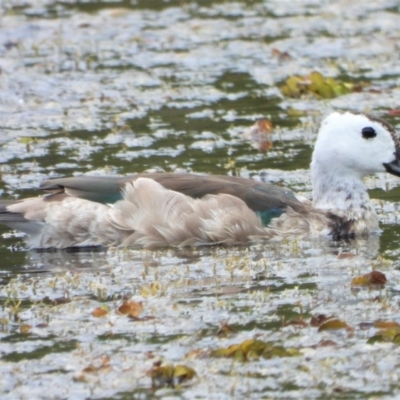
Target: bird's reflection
[(100, 258)]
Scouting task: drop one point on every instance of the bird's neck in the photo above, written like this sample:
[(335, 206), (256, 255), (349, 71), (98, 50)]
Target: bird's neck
[(344, 195)]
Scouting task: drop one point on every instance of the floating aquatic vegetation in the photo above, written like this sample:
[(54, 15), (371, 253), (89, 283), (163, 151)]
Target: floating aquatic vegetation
[(317, 84), (159, 87), (373, 278), (325, 323), (389, 332), (169, 375), (333, 324), (254, 349)]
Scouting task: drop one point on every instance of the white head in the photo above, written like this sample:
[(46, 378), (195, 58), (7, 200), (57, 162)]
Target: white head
[(354, 146)]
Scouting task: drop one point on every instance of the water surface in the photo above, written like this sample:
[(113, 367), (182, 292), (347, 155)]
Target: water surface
[(115, 87)]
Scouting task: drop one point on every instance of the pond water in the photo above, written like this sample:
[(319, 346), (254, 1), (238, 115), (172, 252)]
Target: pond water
[(116, 87)]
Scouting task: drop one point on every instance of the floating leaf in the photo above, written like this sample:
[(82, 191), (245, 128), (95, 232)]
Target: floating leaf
[(254, 345), (342, 256), (168, 375), (294, 112), (162, 375), (315, 83), (332, 324), (390, 332), (240, 355), (183, 373), (259, 134), (316, 78), (377, 339), (324, 343), (360, 281), (386, 325), (278, 351), (100, 311), (131, 308), (396, 339), (324, 90), (226, 352), (25, 328), (372, 278), (293, 86), (253, 349)]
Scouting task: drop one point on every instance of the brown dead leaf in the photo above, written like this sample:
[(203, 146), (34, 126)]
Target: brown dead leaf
[(131, 308), (324, 343), (138, 319), (372, 278), (386, 325), (377, 278), (259, 134), (342, 256), (100, 311)]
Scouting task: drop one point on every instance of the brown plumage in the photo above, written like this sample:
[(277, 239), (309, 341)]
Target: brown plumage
[(148, 216), (164, 209)]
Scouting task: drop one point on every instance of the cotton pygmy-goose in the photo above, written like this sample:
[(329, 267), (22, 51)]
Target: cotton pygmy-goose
[(167, 209)]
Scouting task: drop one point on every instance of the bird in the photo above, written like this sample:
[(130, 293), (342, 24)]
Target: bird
[(153, 210)]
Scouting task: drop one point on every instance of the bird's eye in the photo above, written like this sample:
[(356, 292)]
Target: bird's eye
[(368, 132)]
